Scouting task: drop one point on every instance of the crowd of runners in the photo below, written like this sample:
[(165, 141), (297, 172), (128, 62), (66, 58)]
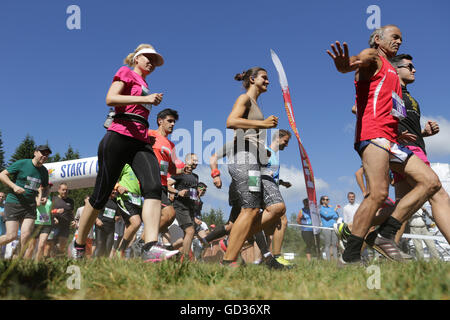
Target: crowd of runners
[(147, 203)]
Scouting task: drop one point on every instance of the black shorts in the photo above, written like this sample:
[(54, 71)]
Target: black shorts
[(62, 230), (39, 229), (175, 233), (184, 216), (18, 211), (130, 210)]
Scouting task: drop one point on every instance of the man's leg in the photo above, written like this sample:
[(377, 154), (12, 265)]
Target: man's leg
[(87, 220), (278, 236), (25, 233), (425, 184), (376, 167), (187, 240)]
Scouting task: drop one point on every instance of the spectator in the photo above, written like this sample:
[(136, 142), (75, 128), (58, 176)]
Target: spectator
[(312, 240), (350, 208), (418, 226), (328, 216), (62, 210)]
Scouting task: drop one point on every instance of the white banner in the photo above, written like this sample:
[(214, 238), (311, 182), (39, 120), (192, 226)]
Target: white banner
[(79, 173)]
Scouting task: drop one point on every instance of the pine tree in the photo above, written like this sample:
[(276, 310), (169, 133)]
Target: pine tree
[(70, 154), (25, 150), (55, 158), (2, 154)]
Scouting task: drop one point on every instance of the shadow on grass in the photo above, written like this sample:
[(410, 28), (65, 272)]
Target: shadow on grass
[(27, 279)]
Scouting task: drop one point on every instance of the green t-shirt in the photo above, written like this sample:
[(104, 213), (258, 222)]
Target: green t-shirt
[(29, 178), (129, 180), (43, 214)]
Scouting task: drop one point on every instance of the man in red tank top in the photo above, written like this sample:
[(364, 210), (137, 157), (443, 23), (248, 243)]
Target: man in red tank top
[(379, 108), (164, 150)]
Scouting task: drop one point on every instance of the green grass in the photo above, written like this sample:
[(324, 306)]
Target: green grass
[(133, 279)]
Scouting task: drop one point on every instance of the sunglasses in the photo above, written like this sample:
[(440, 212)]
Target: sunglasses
[(410, 66), (326, 199)]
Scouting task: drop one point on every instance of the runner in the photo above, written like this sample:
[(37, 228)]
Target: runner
[(127, 142), (62, 212), (43, 226), (379, 108), (165, 152), (248, 162), (20, 205), (185, 187), (105, 226)]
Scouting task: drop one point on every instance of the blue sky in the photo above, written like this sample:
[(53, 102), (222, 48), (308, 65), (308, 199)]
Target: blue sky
[(54, 80)]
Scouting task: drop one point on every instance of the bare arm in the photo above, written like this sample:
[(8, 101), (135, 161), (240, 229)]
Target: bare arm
[(115, 98), (4, 178), (236, 121)]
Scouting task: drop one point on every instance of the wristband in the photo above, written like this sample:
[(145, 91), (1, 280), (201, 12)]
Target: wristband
[(55, 211), (215, 173)]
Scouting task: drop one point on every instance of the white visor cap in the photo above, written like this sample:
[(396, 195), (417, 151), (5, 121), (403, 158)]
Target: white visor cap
[(159, 61)]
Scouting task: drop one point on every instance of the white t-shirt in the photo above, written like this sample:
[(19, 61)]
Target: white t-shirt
[(349, 212)]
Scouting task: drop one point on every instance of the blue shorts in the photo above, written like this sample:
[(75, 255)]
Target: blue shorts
[(397, 152)]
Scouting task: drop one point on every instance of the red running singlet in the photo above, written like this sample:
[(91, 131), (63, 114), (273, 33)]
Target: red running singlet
[(378, 103), (165, 152)]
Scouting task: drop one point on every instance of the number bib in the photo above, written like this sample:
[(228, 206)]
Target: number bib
[(43, 218), (164, 165), (398, 107), (146, 92), (193, 194), (109, 213), (254, 180), (32, 183), (135, 199)]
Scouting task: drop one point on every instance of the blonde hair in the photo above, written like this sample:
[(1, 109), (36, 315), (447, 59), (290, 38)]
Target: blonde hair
[(129, 59)]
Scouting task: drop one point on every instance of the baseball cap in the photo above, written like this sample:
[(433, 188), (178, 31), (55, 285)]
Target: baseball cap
[(43, 147)]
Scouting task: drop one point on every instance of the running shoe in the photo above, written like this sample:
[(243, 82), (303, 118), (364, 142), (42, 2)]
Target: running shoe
[(273, 263), (284, 262), (231, 265), (359, 262), (224, 244), (157, 254), (342, 232), (78, 253), (388, 248)]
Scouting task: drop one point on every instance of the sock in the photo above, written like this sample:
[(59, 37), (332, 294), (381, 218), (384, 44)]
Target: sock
[(389, 228), (261, 241), (124, 244), (276, 256), (268, 254), (216, 234), (148, 245), (353, 250)]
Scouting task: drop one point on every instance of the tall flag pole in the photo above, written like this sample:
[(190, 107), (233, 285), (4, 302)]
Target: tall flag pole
[(306, 164)]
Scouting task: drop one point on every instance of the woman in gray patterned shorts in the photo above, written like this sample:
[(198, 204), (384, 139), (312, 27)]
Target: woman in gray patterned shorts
[(247, 165)]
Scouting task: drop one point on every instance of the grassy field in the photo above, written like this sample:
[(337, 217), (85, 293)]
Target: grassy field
[(106, 279)]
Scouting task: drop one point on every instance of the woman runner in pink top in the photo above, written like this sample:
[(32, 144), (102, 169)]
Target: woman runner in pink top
[(127, 141)]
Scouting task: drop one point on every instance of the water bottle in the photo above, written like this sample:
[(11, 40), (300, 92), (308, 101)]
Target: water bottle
[(109, 118)]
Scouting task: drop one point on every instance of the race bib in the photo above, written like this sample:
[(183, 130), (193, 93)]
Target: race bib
[(146, 92), (164, 165), (43, 218), (135, 199), (193, 194), (398, 107), (254, 180), (32, 183), (109, 213)]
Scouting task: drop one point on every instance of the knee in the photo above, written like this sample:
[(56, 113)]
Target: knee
[(433, 186), (378, 196), (284, 221), (11, 237), (278, 209), (189, 231)]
